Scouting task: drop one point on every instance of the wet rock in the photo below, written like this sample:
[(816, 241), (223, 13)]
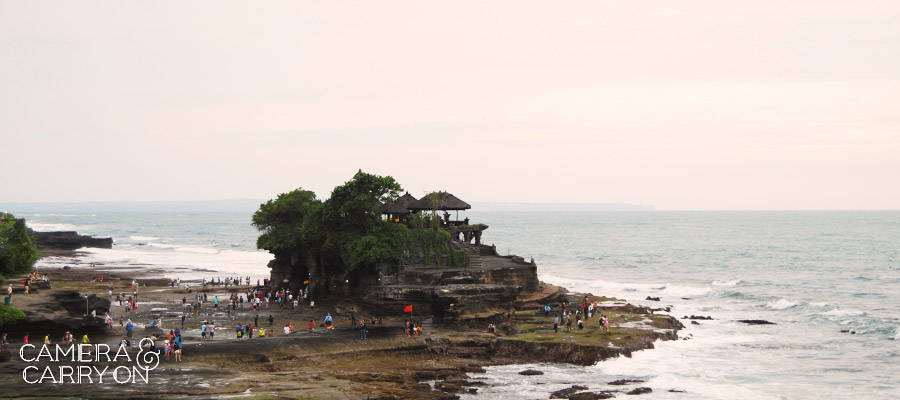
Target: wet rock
[(652, 298), (475, 369), (529, 372), (565, 393), (697, 317), (591, 396), (695, 323), (425, 376), (640, 390), (68, 240), (42, 285), (261, 358), (620, 382), (448, 387), (756, 322)]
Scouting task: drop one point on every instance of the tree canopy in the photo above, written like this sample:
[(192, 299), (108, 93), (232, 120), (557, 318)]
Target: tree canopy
[(18, 252), (344, 233)]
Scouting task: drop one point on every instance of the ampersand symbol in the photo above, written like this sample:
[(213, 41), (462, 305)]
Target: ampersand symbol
[(146, 358)]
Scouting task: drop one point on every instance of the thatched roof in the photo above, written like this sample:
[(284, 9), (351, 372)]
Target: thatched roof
[(398, 206), (443, 200)]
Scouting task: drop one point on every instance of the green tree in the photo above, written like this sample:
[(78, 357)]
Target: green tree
[(289, 223), (18, 252), (356, 205)]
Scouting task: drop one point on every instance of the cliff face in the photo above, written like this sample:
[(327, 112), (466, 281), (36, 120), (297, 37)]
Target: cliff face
[(523, 276), (68, 240), (485, 289)]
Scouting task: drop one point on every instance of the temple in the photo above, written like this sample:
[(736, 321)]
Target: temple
[(486, 286), (431, 259)]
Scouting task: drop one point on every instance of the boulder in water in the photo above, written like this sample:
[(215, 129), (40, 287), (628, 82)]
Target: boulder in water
[(756, 322)]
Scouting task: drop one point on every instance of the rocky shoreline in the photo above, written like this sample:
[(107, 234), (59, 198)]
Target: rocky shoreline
[(324, 364), (333, 363)]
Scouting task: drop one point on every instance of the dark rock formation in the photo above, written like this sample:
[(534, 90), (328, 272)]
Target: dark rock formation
[(652, 298), (695, 322), (529, 372), (76, 304), (697, 317), (591, 396), (756, 322), (64, 310), (573, 353), (565, 393), (620, 382), (640, 390), (68, 240)]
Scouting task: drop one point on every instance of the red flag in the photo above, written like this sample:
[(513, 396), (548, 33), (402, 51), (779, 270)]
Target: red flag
[(407, 309)]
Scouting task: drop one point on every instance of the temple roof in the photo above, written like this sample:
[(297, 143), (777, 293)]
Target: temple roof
[(399, 206), (439, 201)]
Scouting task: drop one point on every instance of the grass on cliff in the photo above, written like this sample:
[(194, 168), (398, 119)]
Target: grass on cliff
[(535, 327), (9, 315)]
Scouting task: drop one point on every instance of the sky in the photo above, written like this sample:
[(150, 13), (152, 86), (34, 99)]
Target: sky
[(679, 105)]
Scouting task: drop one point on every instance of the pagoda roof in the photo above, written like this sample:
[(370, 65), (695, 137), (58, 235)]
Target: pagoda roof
[(399, 206), (439, 201)]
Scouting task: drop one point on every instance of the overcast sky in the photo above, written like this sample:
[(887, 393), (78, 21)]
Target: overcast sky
[(680, 105)]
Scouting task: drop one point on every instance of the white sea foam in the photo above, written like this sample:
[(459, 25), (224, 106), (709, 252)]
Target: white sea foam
[(188, 261), (45, 227), (837, 312), (143, 238), (624, 289), (731, 283), (781, 304)]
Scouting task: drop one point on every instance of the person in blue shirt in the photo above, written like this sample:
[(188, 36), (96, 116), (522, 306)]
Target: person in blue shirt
[(328, 321)]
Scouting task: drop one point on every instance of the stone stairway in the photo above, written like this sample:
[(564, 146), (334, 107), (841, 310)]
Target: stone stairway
[(472, 252)]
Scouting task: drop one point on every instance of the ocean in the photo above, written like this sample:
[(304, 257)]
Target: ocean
[(830, 281)]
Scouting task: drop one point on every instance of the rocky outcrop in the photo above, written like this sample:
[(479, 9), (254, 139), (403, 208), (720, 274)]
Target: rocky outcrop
[(756, 322), (530, 372), (523, 275), (68, 240), (591, 396), (463, 303), (64, 310), (565, 393), (570, 353)]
